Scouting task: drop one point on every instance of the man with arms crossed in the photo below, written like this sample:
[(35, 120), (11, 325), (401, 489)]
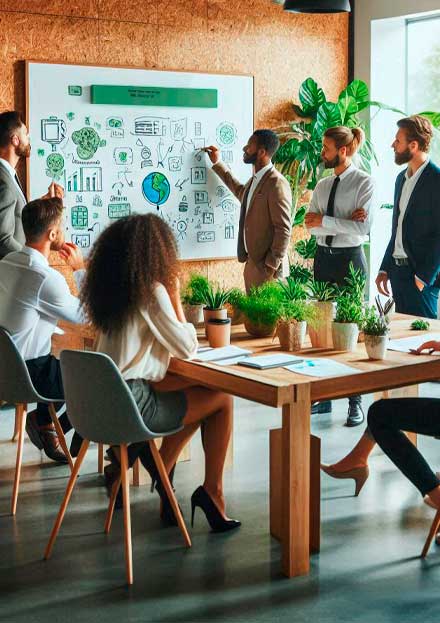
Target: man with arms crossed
[(33, 297), (266, 204)]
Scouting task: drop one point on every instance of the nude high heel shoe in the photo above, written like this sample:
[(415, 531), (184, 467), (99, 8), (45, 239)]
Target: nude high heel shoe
[(359, 475)]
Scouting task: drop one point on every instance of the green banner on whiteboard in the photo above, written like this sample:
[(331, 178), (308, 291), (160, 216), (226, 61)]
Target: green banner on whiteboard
[(154, 96)]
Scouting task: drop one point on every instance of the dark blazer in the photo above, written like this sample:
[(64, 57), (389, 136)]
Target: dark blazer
[(420, 227), (11, 206)]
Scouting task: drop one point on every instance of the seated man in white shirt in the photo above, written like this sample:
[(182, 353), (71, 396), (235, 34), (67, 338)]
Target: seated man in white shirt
[(33, 297)]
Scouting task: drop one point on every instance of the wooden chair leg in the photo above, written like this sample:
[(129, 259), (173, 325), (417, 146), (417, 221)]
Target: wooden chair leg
[(60, 433), (432, 532), (20, 421), (69, 489), (169, 491), (16, 426), (100, 458), (111, 506), (136, 473), (127, 516)]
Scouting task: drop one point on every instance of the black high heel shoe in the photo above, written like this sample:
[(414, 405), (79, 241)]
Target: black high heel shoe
[(215, 519)]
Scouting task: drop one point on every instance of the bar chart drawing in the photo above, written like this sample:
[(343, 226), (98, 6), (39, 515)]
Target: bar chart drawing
[(85, 179)]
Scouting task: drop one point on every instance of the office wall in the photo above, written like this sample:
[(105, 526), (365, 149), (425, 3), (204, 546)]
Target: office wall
[(250, 37)]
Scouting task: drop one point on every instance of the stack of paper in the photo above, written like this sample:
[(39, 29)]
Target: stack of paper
[(225, 356), (321, 368), (405, 344)]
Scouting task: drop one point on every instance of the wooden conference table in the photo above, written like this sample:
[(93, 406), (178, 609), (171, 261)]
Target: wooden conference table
[(293, 394)]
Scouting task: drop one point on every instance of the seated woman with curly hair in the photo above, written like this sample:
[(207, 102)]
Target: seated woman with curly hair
[(131, 295)]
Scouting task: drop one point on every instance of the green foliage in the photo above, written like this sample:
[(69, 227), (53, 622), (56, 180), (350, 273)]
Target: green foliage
[(293, 290), (235, 297), (300, 273), (373, 323), (216, 297), (420, 325), (300, 215), (348, 309), (307, 248), (355, 284), (263, 304), (196, 290), (322, 291), (297, 311)]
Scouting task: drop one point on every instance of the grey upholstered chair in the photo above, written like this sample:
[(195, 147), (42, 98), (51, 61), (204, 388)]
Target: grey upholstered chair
[(16, 388), (102, 409)]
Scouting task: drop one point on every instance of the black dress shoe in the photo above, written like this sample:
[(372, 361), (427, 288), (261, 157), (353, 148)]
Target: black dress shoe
[(45, 438), (356, 416), (75, 445), (215, 519), (322, 407)]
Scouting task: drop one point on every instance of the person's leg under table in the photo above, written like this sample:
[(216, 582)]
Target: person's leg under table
[(296, 482)]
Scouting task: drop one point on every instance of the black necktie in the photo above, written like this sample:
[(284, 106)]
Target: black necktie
[(331, 207)]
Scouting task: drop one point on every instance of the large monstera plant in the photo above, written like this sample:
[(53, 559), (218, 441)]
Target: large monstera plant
[(299, 156)]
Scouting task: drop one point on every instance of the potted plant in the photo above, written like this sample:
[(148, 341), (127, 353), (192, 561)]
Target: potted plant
[(193, 298), (261, 309), (323, 295), (375, 328), (233, 306), (345, 327), (292, 324), (215, 299)]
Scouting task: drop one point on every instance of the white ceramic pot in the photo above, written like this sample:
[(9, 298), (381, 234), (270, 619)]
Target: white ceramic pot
[(376, 346), (194, 314), (321, 335), (292, 335), (345, 336)]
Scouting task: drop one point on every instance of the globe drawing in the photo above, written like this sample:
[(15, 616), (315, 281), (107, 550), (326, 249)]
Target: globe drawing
[(156, 188)]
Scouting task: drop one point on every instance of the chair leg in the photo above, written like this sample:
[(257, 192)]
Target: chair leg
[(100, 458), (60, 433), (69, 489), (169, 491), (432, 532), (16, 426), (20, 422), (111, 505), (136, 473), (127, 516)]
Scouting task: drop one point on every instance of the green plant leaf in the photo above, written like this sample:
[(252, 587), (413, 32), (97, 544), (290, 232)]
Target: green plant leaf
[(434, 118), (387, 206), (356, 89), (311, 97), (307, 248), (287, 152), (379, 105), (348, 107), (300, 216), (328, 116)]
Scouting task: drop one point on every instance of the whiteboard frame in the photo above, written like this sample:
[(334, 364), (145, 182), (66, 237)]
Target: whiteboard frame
[(29, 62)]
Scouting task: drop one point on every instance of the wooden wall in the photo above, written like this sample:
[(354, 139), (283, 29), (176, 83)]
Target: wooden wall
[(231, 36)]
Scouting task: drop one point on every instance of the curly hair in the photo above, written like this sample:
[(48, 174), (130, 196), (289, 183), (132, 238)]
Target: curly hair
[(127, 260)]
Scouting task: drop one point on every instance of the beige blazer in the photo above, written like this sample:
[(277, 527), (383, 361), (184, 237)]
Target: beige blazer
[(267, 224)]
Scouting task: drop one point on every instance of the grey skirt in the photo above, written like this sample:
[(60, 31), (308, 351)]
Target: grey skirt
[(162, 412)]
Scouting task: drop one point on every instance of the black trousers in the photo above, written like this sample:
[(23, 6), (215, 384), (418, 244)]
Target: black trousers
[(45, 373), (333, 267), (409, 299), (386, 421)]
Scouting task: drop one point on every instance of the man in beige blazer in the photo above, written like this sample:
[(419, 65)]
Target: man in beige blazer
[(265, 216)]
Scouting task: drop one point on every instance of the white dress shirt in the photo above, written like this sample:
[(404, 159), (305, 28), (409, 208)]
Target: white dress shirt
[(33, 297), (407, 190), (12, 172), (256, 179), (355, 190), (143, 348)]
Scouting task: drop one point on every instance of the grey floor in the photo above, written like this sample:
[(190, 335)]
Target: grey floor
[(368, 568)]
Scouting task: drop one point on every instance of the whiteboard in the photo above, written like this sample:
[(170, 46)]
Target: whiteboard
[(141, 155)]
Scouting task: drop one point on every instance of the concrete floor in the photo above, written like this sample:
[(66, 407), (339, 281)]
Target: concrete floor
[(368, 568)]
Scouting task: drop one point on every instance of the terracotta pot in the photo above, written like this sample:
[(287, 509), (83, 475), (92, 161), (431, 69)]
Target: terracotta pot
[(219, 332), (213, 313), (345, 336), (321, 335), (292, 335), (376, 346), (257, 329), (236, 316), (194, 313)]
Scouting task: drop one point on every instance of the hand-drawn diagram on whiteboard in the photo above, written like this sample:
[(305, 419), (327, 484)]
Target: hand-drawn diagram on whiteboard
[(124, 141)]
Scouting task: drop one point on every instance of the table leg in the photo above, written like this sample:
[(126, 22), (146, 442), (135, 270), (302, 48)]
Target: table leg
[(295, 483)]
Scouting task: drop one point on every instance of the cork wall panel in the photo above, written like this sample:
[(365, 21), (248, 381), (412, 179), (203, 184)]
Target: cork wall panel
[(77, 8), (228, 36)]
